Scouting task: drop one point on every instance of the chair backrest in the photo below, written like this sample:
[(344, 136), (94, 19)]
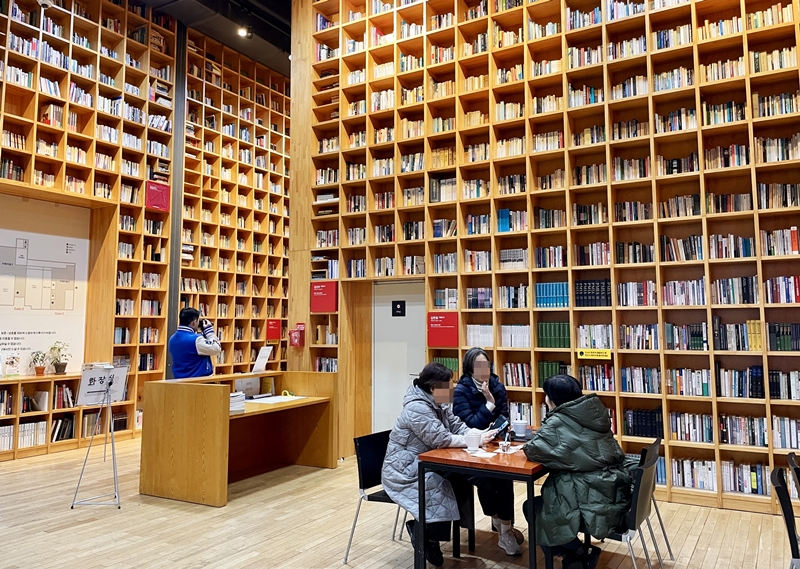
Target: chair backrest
[(644, 483), (778, 477), (649, 450), (370, 452), (793, 466)]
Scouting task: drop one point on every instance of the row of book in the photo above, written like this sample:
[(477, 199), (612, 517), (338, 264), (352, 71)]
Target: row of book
[(62, 428), (6, 400), (326, 364), (515, 336), (478, 297), (552, 334), (738, 430), (552, 295), (548, 368), (740, 337), (748, 382), (449, 363), (693, 427), (598, 377), (517, 374), (644, 422), (595, 292), (783, 337), (31, 434), (746, 478), (445, 298), (637, 379)]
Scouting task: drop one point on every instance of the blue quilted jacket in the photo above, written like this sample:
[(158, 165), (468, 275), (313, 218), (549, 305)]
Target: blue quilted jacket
[(469, 404)]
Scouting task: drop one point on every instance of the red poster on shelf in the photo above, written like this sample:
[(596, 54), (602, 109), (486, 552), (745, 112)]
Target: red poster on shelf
[(442, 329), (156, 196), (324, 296), (273, 331)]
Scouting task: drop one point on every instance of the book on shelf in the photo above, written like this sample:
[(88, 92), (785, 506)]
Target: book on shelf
[(553, 334), (62, 428), (449, 363), (644, 422)]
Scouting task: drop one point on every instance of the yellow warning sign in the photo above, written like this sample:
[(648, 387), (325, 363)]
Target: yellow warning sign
[(594, 354)]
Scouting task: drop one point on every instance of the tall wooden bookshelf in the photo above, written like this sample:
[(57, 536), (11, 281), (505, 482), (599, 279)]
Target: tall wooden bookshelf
[(591, 103), (235, 228), (87, 99)]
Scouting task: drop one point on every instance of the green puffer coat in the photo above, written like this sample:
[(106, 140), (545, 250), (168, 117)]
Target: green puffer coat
[(587, 479)]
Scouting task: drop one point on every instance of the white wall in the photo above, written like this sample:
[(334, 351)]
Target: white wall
[(44, 259), (398, 348)]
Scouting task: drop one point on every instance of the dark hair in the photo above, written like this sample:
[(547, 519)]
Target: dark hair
[(468, 364), (188, 315), (432, 374), (562, 389)]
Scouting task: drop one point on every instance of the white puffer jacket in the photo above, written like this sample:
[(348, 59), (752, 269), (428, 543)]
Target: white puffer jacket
[(423, 425)]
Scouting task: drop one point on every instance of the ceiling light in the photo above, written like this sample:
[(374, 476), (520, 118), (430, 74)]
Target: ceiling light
[(245, 32)]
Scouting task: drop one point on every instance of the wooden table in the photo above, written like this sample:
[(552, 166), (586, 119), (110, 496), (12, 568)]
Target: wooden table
[(193, 446), (515, 466)]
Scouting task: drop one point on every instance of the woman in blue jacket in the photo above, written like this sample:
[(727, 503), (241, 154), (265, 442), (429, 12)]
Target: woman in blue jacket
[(478, 400)]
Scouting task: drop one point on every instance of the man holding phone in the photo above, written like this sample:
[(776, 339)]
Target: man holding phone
[(192, 345)]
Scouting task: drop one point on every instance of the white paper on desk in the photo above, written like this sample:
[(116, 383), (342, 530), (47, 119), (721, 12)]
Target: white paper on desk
[(277, 399), (483, 454)]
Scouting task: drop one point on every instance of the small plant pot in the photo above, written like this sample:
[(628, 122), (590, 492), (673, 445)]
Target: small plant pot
[(39, 370), (61, 368)]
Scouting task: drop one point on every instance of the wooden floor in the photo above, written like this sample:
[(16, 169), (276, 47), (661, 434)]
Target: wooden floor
[(294, 518)]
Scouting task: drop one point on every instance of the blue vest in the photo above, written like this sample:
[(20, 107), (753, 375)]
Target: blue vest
[(186, 362)]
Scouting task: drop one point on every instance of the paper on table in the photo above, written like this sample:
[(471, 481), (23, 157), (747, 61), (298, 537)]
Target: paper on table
[(277, 399), (483, 454)]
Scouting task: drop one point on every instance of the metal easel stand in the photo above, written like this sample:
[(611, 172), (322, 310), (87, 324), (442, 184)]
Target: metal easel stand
[(95, 501)]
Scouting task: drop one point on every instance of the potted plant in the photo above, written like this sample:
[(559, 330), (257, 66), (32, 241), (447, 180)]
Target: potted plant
[(59, 357), (38, 360)]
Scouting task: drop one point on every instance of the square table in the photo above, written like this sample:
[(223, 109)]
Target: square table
[(514, 466)]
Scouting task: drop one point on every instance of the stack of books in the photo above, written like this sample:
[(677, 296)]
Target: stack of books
[(237, 401)]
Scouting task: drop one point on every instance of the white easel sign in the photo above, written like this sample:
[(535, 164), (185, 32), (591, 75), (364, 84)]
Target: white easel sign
[(94, 383)]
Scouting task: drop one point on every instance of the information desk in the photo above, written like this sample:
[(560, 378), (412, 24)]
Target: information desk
[(193, 446), (514, 466)]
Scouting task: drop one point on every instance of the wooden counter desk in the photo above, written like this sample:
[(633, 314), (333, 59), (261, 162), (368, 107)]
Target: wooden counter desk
[(193, 446)]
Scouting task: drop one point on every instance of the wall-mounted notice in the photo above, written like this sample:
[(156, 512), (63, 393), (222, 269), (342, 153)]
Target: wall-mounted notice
[(44, 258)]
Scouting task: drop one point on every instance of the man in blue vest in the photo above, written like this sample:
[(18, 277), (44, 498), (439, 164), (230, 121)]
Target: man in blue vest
[(192, 345)]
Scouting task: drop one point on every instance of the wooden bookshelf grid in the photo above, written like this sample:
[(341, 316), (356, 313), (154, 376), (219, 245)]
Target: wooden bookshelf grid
[(86, 118), (617, 169), (234, 259)]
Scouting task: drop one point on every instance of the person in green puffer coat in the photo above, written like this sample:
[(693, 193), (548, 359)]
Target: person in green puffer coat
[(588, 482)]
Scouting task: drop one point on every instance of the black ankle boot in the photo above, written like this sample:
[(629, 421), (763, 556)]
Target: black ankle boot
[(433, 553)]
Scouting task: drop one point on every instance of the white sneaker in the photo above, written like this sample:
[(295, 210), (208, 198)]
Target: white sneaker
[(508, 543), (517, 534)]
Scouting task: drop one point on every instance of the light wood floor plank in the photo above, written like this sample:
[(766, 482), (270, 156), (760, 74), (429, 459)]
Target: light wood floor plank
[(299, 518)]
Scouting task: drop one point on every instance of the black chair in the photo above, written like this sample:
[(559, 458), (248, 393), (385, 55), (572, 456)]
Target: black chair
[(793, 466), (778, 477), (370, 452), (644, 484), (650, 450)]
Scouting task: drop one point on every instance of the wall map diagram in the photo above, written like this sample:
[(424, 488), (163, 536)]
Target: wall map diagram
[(37, 284)]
